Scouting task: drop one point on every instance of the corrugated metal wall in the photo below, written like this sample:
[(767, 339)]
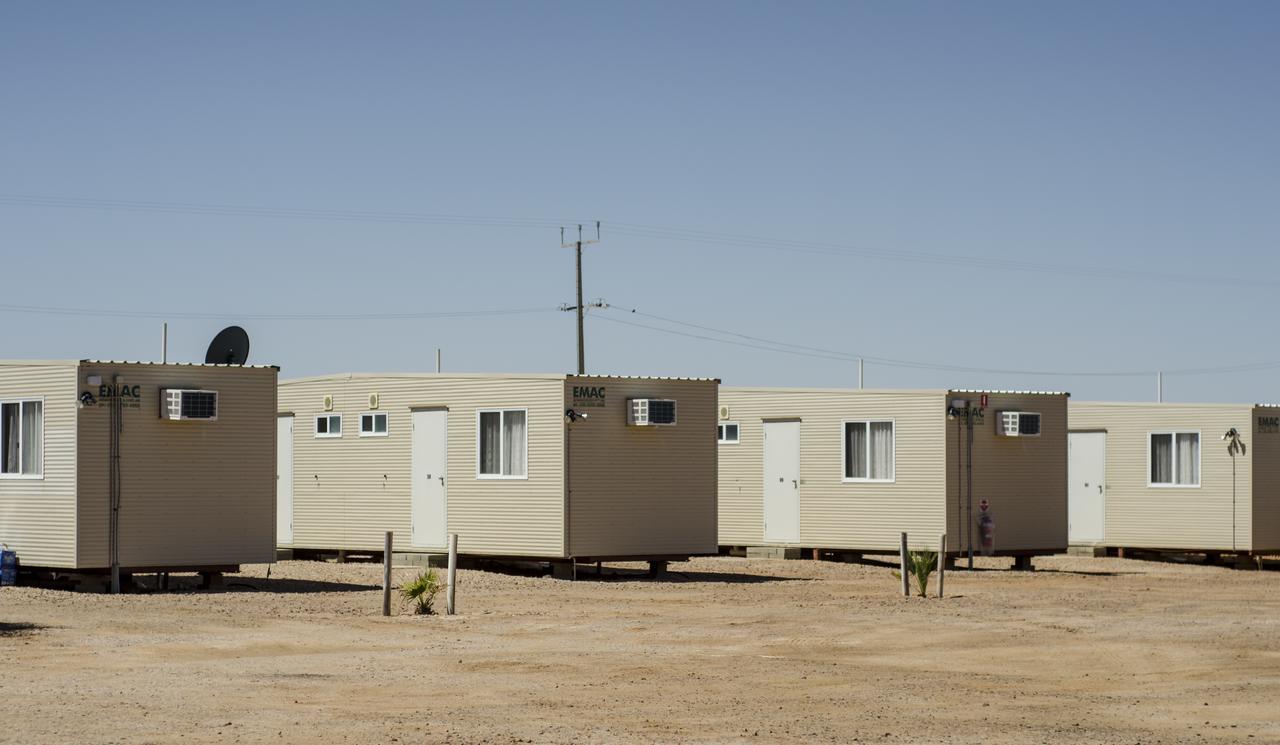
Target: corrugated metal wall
[(38, 516), (349, 491), (1024, 479), (642, 491), (1264, 454), (835, 513), (1141, 516), (193, 492)]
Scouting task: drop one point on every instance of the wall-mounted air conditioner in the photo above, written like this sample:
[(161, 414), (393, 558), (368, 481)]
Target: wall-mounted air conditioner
[(649, 412), (186, 403), (724, 412), (1018, 424)]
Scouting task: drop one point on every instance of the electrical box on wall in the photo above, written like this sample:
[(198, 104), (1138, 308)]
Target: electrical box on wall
[(651, 412)]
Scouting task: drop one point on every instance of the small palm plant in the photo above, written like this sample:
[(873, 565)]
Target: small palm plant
[(422, 591), (920, 564)]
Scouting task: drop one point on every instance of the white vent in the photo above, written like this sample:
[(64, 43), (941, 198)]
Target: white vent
[(185, 403), (650, 412), (1018, 424)]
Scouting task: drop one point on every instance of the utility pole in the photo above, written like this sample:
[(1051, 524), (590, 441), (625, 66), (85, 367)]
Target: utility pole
[(577, 246)]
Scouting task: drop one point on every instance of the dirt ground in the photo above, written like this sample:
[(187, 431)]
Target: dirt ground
[(722, 650)]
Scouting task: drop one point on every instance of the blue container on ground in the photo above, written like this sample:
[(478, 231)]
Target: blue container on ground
[(8, 568)]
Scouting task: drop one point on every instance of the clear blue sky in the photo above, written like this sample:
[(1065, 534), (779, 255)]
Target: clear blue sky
[(1130, 140)]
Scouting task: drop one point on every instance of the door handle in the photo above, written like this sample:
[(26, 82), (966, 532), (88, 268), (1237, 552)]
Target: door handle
[(1099, 488), (795, 484)]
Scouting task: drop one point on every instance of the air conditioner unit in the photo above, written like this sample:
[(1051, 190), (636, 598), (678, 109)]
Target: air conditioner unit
[(185, 403), (1018, 424), (724, 412), (651, 412)]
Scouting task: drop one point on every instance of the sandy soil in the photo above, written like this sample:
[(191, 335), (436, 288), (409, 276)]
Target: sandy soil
[(727, 650)]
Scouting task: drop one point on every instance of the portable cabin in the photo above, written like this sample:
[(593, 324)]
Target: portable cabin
[(850, 470), (556, 468), (1175, 477), (183, 481)]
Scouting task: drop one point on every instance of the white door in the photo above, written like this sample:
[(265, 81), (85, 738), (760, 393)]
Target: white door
[(1087, 486), (429, 458), (782, 482), (284, 480)]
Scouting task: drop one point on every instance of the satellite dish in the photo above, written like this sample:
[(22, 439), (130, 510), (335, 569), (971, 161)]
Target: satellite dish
[(229, 347)]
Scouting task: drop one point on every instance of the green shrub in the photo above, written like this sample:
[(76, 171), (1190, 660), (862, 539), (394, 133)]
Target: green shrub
[(920, 564), (422, 591)]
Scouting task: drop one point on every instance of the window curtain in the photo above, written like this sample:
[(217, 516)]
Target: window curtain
[(1162, 459), (32, 437), (882, 450), (513, 443), (9, 438), (490, 441), (1188, 458), (855, 450)]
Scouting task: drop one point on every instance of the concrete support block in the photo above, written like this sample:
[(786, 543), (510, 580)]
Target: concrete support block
[(773, 552)]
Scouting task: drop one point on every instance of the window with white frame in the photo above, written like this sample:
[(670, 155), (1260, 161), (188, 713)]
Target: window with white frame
[(373, 424), (329, 425), (727, 433), (22, 438), (868, 450), (503, 442), (1175, 458)]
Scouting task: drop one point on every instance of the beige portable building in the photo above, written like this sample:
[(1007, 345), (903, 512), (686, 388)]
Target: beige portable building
[(191, 473), (851, 470), (1163, 476), (498, 460)]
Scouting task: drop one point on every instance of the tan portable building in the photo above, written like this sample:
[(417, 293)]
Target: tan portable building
[(498, 460), (191, 473), (851, 470), (1163, 476)]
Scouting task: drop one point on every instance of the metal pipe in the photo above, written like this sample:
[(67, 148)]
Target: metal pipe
[(969, 478), (582, 354), (164, 344), (451, 589), (386, 572)]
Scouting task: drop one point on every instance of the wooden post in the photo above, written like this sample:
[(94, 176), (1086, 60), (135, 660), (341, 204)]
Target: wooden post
[(902, 561), (450, 607), (386, 574), (942, 562)]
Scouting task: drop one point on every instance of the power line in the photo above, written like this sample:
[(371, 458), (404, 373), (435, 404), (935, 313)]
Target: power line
[(223, 210), (956, 260), (638, 230), (782, 347), (170, 315)]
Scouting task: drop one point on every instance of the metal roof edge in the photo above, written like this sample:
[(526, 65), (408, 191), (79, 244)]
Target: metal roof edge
[(175, 364), (1009, 393), (784, 389), (37, 363), (1168, 404), (481, 376), (423, 376)]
